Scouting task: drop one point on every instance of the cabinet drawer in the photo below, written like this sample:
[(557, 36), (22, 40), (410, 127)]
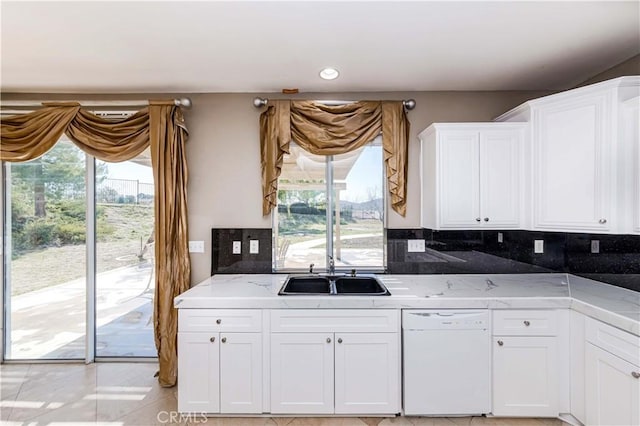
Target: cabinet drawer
[(525, 323), (334, 320), (212, 320), (620, 343)]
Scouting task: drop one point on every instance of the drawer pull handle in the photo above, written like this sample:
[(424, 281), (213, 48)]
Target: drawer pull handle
[(340, 340), (603, 221), (218, 321), (477, 219), (486, 219), (500, 343), (328, 339), (224, 340), (635, 374), (213, 339), (527, 323)]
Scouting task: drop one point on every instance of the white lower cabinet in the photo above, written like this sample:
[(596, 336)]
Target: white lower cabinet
[(219, 361), (525, 376), (612, 375), (199, 372), (302, 373), (339, 370), (240, 373), (366, 368), (526, 363), (220, 372), (612, 390)]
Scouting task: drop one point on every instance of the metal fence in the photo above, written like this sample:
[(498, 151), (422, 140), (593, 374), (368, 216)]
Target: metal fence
[(124, 191)]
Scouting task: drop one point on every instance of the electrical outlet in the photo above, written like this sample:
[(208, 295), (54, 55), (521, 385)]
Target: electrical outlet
[(500, 237), (538, 246), (237, 247), (196, 246), (595, 246), (415, 246), (254, 246)]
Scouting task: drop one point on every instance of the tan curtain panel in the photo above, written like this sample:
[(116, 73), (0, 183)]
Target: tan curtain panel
[(329, 130), (161, 126), (173, 267)]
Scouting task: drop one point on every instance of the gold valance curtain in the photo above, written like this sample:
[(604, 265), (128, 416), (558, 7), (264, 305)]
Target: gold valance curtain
[(334, 129), (161, 126)]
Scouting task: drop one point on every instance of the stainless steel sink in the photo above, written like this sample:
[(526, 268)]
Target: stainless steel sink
[(338, 285)]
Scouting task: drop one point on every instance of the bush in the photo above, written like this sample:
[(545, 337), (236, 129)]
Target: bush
[(69, 233), (37, 233)]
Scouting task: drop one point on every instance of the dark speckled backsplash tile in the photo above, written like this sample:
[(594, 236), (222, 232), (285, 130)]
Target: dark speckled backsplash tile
[(465, 252), (460, 252), (223, 261)]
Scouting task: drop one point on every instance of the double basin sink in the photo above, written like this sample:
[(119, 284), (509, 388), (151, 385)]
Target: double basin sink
[(328, 285)]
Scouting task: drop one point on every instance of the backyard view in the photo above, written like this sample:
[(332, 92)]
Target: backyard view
[(357, 210), (47, 266)]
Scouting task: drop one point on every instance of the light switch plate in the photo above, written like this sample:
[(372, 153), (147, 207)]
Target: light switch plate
[(595, 246), (415, 246), (196, 246), (538, 246), (254, 246), (237, 247)]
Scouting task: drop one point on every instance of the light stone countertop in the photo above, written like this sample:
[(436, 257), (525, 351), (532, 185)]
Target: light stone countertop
[(613, 305)]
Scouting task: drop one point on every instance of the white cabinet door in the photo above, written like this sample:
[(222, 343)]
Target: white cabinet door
[(367, 373), (240, 373), (572, 170), (525, 377), (302, 373), (459, 183), (612, 391), (198, 373), (500, 178)]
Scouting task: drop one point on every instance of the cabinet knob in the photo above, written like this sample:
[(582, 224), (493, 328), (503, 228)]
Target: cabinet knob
[(218, 321), (527, 323), (477, 219), (486, 219), (635, 374), (213, 339), (328, 339), (603, 221), (224, 340), (340, 340), (500, 343)]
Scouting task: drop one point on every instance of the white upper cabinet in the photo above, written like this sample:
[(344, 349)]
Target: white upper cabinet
[(581, 157), (471, 175)]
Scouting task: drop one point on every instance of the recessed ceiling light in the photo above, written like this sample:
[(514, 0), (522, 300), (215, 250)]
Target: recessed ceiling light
[(329, 73)]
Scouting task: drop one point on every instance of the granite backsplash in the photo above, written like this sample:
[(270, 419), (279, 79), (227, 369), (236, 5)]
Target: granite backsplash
[(469, 252), (464, 252)]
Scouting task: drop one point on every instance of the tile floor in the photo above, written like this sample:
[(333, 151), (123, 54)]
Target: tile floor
[(127, 394)]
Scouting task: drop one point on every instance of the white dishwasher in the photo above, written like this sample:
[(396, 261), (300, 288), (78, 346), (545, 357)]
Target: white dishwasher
[(446, 362)]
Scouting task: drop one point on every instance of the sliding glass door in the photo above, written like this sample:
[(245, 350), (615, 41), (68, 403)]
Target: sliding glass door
[(78, 268), (124, 258), (45, 257)]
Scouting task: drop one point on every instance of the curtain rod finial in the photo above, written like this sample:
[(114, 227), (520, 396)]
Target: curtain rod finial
[(259, 102), (409, 104), (183, 102)]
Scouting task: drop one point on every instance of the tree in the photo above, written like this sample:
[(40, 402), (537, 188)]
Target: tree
[(58, 174)]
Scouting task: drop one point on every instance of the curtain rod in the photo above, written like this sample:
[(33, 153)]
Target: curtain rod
[(183, 102), (258, 102)]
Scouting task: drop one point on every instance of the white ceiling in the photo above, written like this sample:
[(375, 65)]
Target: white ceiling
[(104, 47)]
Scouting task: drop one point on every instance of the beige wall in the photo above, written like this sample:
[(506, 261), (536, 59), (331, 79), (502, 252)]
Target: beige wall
[(224, 148), (629, 67)]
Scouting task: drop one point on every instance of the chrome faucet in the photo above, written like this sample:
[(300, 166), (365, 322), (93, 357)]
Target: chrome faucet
[(311, 268), (332, 266)]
